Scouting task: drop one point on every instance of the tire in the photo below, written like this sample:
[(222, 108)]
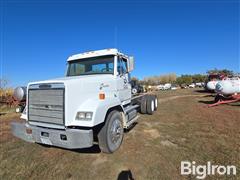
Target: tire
[(155, 102), (111, 135), (218, 98), (134, 91), (150, 105), (143, 107)]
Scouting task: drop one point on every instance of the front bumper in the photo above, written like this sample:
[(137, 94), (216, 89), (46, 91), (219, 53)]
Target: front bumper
[(68, 138)]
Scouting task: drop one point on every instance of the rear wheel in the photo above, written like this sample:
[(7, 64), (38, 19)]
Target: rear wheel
[(155, 102), (143, 107), (150, 104), (134, 91), (111, 135)]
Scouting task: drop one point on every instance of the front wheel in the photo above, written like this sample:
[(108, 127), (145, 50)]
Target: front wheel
[(111, 135)]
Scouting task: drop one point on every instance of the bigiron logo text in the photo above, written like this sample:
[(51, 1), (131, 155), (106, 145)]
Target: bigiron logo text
[(202, 171)]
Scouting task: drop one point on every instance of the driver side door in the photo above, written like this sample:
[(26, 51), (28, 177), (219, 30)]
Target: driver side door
[(123, 81)]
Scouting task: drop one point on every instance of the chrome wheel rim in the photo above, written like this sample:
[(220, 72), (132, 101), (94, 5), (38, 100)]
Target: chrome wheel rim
[(116, 131)]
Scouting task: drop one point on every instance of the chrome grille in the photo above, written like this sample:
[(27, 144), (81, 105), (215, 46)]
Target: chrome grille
[(46, 105)]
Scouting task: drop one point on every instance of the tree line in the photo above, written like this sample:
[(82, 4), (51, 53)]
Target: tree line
[(186, 79)]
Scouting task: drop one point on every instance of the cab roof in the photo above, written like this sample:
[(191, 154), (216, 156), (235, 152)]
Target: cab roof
[(97, 53)]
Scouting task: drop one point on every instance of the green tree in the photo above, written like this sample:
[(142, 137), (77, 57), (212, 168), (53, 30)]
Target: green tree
[(184, 79), (199, 78), (226, 72)]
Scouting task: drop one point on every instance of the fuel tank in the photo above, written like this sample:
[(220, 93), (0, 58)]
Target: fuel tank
[(228, 86), (20, 93), (211, 85)]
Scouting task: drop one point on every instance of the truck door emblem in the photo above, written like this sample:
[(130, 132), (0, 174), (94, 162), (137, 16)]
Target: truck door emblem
[(102, 85)]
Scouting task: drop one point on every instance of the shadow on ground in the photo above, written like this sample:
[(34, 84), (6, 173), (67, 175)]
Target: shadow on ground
[(235, 104), (91, 150), (207, 102), (130, 128), (201, 91), (125, 175)]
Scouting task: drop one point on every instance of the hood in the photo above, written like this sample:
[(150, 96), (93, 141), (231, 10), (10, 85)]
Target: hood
[(84, 78)]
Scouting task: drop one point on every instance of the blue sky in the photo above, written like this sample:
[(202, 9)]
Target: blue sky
[(184, 37)]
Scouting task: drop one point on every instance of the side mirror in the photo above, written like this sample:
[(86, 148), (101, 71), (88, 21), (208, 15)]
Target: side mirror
[(130, 63)]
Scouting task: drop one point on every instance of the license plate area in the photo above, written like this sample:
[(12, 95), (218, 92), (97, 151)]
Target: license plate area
[(44, 134), (45, 138), (46, 141)]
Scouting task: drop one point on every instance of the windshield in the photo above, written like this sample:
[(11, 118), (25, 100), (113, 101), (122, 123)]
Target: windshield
[(95, 65)]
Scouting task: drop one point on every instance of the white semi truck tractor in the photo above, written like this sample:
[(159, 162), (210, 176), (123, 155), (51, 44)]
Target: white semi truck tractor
[(92, 104)]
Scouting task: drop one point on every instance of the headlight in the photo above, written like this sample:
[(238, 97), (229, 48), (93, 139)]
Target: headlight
[(84, 116), (88, 115)]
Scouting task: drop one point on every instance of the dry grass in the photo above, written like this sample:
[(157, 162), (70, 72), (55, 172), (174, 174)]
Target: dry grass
[(6, 92), (182, 129)]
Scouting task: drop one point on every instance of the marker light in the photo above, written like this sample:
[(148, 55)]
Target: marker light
[(101, 96), (28, 131)]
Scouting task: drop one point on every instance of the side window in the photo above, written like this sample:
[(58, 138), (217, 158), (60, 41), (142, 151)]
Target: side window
[(119, 66), (122, 66), (76, 69)]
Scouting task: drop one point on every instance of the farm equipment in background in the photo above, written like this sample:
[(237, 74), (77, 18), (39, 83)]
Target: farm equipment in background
[(212, 81), (16, 98), (7, 101), (6, 98), (228, 91), (19, 95)]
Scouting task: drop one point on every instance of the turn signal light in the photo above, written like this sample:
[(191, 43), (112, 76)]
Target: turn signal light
[(102, 96), (29, 131)]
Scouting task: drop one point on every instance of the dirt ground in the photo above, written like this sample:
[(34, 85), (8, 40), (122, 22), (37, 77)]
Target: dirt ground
[(183, 128)]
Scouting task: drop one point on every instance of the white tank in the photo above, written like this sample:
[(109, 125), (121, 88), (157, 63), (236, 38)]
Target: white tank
[(20, 93), (211, 85), (228, 86)]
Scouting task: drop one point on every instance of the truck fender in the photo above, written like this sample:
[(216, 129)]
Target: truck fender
[(100, 109), (118, 108)]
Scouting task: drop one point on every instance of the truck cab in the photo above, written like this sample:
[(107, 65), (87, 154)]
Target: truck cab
[(93, 102)]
